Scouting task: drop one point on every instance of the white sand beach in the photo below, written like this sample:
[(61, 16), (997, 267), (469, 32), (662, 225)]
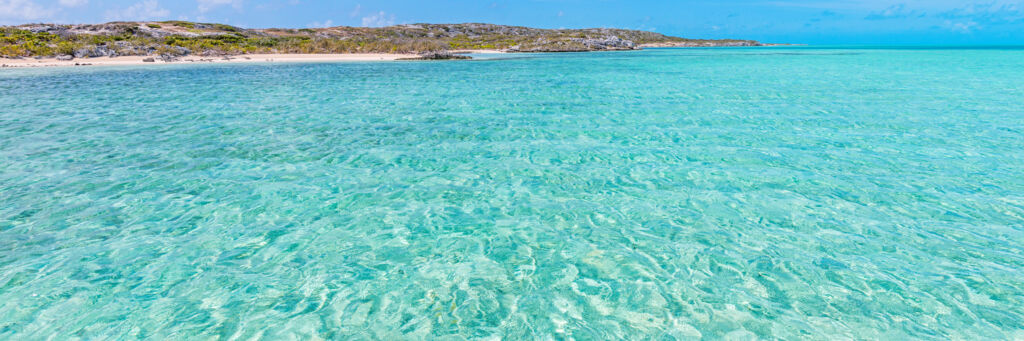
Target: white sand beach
[(253, 58)]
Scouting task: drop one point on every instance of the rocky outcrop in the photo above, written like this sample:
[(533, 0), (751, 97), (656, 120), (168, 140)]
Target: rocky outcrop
[(606, 43), (438, 55), (96, 51), (124, 48), (705, 43)]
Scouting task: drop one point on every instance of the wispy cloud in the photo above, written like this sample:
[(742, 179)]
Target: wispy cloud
[(962, 27), (145, 10), (379, 20), (73, 3), (899, 11), (207, 5), (23, 10), (991, 13), (317, 24)]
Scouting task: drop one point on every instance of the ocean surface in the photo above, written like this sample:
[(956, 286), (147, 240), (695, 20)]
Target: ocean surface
[(735, 193)]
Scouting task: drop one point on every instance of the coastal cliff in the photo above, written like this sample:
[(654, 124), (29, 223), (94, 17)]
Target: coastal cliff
[(168, 40)]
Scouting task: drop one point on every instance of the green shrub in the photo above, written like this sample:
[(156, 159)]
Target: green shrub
[(13, 51), (184, 24), (228, 28), (65, 48)]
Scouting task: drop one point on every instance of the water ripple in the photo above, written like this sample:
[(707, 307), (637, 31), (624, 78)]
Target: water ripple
[(790, 194)]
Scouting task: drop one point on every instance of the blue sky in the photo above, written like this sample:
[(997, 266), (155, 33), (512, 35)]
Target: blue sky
[(788, 21)]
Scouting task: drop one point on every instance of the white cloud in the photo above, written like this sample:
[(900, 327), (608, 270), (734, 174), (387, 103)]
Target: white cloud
[(894, 12), (73, 3), (207, 5), (991, 13), (317, 24), (962, 27), (378, 20), (355, 11), (23, 10), (145, 10)]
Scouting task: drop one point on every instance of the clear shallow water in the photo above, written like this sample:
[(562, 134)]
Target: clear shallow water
[(704, 193)]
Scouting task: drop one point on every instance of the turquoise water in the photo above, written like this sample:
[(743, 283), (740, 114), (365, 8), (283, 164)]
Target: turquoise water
[(768, 193)]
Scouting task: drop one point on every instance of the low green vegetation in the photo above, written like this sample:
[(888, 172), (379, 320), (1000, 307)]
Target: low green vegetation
[(184, 24), (177, 38), (23, 43)]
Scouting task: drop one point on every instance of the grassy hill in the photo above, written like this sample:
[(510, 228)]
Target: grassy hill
[(179, 38)]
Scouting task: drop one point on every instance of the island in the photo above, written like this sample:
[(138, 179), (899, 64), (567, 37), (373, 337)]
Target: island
[(178, 41)]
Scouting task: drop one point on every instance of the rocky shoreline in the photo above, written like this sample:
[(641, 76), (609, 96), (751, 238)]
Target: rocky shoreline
[(705, 44)]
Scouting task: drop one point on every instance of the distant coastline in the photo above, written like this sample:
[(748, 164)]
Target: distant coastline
[(125, 43)]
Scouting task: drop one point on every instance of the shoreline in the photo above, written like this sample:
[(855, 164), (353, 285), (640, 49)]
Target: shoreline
[(143, 42), (32, 62), (250, 58)]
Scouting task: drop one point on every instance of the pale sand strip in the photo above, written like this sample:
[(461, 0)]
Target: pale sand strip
[(251, 58)]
